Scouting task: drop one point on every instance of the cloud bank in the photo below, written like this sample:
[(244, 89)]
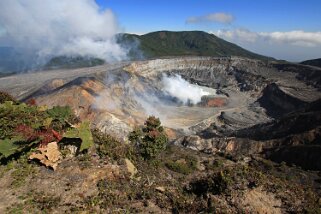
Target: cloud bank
[(299, 38), (223, 18), (290, 45), (58, 27)]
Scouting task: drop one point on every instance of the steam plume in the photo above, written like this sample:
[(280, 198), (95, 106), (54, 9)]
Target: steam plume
[(177, 87), (42, 29)]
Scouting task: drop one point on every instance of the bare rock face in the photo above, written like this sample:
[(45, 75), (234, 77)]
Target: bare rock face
[(79, 94), (259, 201), (310, 75), (305, 156), (277, 102), (194, 142), (110, 124), (230, 145)]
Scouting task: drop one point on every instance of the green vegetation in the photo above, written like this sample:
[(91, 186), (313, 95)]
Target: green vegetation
[(16, 134), (73, 62), (35, 202), (216, 184), (312, 62), (108, 146), (146, 142), (4, 96), (21, 169), (82, 132), (151, 139), (23, 127), (185, 43), (184, 166), (108, 196), (175, 185), (174, 179), (13, 115)]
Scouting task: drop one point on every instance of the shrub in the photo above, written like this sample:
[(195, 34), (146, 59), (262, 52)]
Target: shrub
[(136, 136), (184, 166), (151, 139), (4, 96), (61, 114), (109, 146), (23, 127), (178, 167), (31, 102), (11, 116), (216, 184)]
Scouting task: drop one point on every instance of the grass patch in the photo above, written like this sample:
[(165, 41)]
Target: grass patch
[(35, 202), (184, 166), (21, 171)]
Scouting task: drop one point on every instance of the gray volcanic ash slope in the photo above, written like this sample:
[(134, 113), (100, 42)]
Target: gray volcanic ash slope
[(251, 99)]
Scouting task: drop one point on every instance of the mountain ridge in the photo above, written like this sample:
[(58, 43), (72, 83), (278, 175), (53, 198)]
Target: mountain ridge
[(312, 62), (184, 43), (158, 44)]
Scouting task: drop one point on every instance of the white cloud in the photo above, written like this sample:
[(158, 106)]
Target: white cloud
[(224, 18), (237, 34), (288, 45), (301, 38), (59, 27), (297, 38)]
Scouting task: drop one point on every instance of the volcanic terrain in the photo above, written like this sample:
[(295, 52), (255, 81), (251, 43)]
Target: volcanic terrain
[(242, 94), (233, 112)]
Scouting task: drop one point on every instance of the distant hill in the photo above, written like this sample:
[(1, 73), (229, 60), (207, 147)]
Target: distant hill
[(313, 62), (14, 62), (8, 63), (151, 45), (73, 62), (185, 43)]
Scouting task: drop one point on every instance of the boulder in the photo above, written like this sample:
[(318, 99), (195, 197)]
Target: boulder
[(131, 169)]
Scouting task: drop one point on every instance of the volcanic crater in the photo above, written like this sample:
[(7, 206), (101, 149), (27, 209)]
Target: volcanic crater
[(217, 102)]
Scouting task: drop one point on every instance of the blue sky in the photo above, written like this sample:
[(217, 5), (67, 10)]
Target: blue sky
[(259, 15), (285, 29)]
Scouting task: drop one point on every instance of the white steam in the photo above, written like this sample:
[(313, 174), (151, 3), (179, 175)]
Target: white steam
[(59, 27), (132, 98), (187, 93)]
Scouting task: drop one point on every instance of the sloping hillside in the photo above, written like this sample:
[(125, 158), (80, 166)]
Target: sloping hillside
[(151, 45), (197, 43), (313, 62)]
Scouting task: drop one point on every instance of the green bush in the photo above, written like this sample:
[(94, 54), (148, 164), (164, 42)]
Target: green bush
[(184, 166), (59, 116), (11, 116), (216, 184), (178, 167), (109, 146), (4, 96), (23, 126), (151, 139)]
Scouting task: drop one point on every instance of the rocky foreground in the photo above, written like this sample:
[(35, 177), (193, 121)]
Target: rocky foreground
[(252, 147)]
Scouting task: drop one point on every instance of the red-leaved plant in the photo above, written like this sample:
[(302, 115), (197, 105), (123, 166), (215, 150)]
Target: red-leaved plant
[(31, 102), (45, 135)]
